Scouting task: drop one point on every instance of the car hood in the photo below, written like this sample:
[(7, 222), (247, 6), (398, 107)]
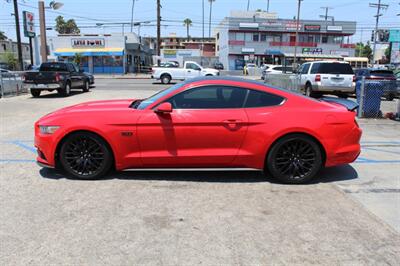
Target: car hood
[(93, 106)]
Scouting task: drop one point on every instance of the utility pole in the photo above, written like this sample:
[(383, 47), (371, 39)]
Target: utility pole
[(378, 7), (248, 5), (158, 29), (267, 6), (326, 12), (43, 44), (297, 34), (16, 15), (133, 8)]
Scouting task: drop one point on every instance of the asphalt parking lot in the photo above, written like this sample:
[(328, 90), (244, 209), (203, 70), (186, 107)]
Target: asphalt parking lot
[(348, 215)]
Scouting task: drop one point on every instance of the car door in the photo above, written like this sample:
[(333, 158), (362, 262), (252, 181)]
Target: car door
[(192, 70), (206, 128), (75, 81)]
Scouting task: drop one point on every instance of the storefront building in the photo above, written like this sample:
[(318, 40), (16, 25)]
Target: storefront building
[(261, 37), (108, 53)]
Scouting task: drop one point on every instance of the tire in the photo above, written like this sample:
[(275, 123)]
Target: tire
[(85, 155), (389, 97), (86, 86), (294, 159), (165, 79), (65, 91), (308, 91), (36, 93)]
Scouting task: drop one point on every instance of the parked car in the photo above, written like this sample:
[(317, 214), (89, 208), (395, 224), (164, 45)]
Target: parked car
[(218, 65), (249, 68), (59, 76), (90, 77), (387, 77), (326, 77), (2, 70), (276, 69), (190, 70), (204, 122)]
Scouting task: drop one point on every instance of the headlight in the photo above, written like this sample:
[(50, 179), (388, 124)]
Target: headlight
[(48, 129)]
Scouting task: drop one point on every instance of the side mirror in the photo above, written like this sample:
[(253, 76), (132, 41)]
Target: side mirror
[(164, 108)]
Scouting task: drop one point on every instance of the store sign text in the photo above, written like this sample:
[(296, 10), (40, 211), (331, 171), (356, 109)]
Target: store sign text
[(88, 43)]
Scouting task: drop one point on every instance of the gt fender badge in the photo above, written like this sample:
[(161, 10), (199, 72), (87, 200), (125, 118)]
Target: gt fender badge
[(126, 133)]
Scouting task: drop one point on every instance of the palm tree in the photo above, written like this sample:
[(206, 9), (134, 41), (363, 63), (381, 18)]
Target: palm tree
[(187, 22), (209, 22)]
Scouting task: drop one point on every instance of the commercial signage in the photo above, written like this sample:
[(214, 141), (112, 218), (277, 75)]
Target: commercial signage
[(395, 55), (29, 25), (312, 51), (334, 28), (271, 24), (248, 25), (169, 53), (87, 43), (394, 35), (312, 27), (292, 26), (247, 50)]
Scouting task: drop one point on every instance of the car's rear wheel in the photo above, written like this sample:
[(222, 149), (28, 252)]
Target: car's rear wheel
[(36, 93), (165, 79), (65, 91), (309, 91), (86, 86), (294, 159), (85, 155)]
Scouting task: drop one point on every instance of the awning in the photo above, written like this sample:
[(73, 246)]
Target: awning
[(89, 51), (326, 56)]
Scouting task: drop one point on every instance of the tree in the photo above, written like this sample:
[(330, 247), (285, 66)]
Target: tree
[(363, 50), (78, 59), (10, 60), (209, 22), (66, 27), (187, 22), (3, 36)]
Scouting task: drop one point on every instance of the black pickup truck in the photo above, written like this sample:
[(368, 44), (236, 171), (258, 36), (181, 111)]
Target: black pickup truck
[(58, 76)]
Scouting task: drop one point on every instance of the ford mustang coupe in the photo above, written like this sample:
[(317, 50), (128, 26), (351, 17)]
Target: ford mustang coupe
[(208, 123)]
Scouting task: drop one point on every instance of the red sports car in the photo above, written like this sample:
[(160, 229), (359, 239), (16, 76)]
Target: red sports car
[(202, 123)]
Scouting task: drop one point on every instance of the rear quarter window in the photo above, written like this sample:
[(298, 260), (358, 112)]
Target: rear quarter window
[(257, 98)]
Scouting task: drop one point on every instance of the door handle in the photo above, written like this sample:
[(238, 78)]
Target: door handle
[(232, 123)]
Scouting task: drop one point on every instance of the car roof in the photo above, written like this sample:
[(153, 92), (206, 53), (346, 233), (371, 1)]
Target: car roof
[(330, 61)]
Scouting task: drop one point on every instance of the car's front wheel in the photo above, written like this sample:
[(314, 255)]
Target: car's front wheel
[(294, 159), (35, 93), (85, 155), (86, 86)]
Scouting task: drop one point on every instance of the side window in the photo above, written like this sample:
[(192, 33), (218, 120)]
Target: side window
[(209, 97), (314, 68), (305, 69), (262, 99), (192, 66), (70, 68)]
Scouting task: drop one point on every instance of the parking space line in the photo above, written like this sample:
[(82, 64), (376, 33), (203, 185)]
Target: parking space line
[(24, 146)]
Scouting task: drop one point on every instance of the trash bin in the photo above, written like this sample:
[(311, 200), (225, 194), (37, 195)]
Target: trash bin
[(373, 91)]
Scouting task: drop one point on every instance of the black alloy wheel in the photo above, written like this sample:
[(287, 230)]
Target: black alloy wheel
[(294, 159), (85, 155)]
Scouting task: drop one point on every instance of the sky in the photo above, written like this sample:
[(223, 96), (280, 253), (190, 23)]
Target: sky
[(87, 13)]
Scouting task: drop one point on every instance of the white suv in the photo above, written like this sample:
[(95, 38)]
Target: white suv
[(326, 77)]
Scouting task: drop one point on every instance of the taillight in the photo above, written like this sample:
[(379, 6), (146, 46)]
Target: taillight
[(317, 78), (354, 78), (23, 77), (58, 77)]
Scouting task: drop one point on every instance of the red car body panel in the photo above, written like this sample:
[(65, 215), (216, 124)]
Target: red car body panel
[(204, 137)]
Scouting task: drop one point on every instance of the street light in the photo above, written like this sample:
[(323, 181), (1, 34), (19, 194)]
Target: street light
[(43, 39)]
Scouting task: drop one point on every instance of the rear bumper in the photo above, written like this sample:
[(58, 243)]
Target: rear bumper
[(348, 149), (42, 86), (333, 88)]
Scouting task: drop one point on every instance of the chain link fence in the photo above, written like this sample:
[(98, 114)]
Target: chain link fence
[(377, 98), (11, 84)]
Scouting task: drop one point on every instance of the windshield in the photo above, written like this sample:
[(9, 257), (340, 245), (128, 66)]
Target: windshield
[(145, 103)]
